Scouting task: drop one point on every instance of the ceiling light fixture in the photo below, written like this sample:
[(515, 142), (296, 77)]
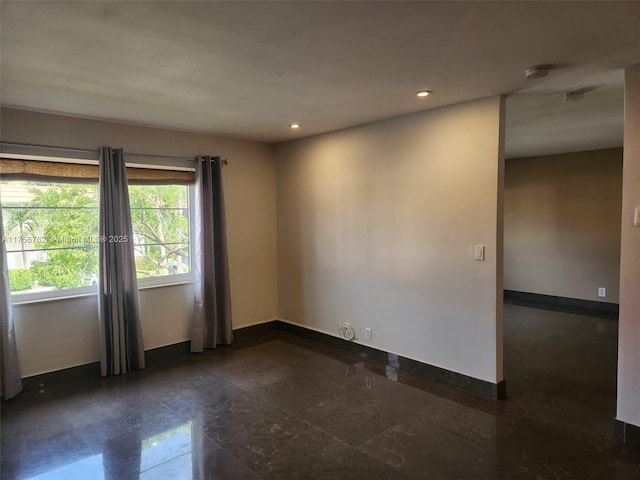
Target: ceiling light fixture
[(423, 93), (294, 126), (537, 71)]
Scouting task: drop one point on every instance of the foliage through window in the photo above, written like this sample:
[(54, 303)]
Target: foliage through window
[(51, 233), (160, 217)]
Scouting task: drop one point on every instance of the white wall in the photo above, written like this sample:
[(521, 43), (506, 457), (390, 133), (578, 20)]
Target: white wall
[(376, 227), (629, 326), (63, 333), (562, 224)]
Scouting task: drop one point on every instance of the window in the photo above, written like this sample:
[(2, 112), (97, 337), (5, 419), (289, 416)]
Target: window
[(51, 235), (160, 218)]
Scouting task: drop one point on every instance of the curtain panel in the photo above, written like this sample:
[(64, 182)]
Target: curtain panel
[(211, 324), (10, 377), (121, 345)]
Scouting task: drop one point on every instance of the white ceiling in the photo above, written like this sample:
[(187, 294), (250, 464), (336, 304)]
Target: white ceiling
[(248, 69)]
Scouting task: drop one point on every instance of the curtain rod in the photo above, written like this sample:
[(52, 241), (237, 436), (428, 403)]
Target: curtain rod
[(86, 150)]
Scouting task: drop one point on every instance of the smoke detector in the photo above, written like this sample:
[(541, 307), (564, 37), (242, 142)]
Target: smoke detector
[(573, 96), (537, 71)]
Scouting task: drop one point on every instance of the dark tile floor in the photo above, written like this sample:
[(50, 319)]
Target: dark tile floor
[(285, 407)]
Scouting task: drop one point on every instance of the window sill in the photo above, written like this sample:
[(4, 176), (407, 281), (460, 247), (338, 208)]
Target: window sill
[(166, 284), (16, 301)]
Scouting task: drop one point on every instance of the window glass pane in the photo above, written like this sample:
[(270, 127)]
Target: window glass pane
[(51, 232), (160, 217)]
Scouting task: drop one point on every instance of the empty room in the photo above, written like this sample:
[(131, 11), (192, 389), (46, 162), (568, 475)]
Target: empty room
[(320, 240)]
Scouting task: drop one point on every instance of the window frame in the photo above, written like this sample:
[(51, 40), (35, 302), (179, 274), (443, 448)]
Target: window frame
[(143, 283), (179, 278)]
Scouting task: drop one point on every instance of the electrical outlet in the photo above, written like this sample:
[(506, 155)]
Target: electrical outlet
[(367, 333), (602, 292)]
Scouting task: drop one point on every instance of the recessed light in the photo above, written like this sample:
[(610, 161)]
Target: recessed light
[(294, 126), (423, 93)]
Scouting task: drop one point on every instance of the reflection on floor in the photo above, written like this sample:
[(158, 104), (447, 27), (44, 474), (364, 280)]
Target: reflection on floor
[(284, 407)]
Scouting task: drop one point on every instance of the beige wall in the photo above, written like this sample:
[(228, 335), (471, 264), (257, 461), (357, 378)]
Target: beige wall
[(629, 329), (376, 227), (42, 330), (562, 224), (64, 333)]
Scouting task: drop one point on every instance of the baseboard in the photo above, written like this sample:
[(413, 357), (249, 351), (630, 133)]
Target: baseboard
[(168, 353), (61, 376), (256, 329), (165, 354), (459, 380), (562, 304), (627, 433), (159, 355), (152, 356)]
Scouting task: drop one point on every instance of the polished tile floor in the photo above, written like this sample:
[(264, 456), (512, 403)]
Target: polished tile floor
[(285, 407)]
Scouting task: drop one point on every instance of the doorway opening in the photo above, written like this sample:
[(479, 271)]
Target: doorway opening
[(562, 210)]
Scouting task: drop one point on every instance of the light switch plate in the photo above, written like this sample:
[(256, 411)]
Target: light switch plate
[(636, 217), (479, 252)]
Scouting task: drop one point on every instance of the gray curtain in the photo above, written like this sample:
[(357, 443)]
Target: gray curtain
[(121, 346), (212, 303), (10, 378)]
